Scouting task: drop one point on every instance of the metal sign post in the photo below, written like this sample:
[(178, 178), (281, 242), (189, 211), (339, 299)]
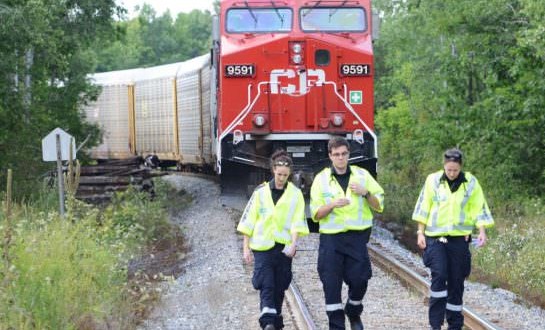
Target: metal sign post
[(60, 177), (58, 146)]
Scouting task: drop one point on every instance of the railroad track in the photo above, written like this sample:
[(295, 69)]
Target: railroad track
[(401, 269), (301, 317), (415, 280)]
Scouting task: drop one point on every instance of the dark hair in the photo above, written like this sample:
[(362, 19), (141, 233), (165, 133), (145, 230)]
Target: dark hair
[(453, 155), (336, 142), (281, 158)]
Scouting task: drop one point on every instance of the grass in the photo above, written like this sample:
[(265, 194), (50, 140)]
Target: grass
[(514, 257), (73, 273)]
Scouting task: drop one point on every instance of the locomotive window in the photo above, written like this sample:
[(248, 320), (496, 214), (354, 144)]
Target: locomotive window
[(322, 57), (333, 19), (248, 20)]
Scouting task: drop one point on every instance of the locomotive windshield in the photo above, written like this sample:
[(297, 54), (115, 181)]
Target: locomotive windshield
[(333, 19), (248, 20)]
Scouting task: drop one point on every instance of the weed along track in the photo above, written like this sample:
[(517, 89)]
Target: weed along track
[(215, 290)]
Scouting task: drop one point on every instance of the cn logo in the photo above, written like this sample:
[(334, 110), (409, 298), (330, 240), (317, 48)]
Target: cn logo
[(305, 81)]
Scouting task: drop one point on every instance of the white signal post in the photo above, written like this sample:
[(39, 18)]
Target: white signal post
[(56, 147)]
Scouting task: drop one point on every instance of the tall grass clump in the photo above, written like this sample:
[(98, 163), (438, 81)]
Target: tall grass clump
[(514, 257), (71, 273)]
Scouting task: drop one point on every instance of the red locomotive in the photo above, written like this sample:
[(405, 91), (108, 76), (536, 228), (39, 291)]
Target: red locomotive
[(291, 74), (285, 74)]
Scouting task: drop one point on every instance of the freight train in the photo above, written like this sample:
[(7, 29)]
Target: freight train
[(281, 74)]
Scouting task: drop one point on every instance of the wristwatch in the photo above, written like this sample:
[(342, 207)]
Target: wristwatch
[(418, 232), (367, 194)]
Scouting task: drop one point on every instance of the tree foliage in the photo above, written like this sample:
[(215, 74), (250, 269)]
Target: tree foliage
[(43, 69), (149, 40), (49, 46), (468, 74)]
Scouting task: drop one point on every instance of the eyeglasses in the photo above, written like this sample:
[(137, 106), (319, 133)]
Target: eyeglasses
[(282, 163), (340, 154)]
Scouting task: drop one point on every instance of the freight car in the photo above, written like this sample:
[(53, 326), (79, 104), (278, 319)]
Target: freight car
[(162, 110), (281, 74)]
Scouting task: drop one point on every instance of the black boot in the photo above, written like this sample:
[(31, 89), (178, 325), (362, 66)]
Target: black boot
[(269, 327), (355, 323)]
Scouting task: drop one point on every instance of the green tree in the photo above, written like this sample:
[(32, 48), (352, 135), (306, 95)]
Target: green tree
[(148, 40), (44, 66), (193, 33), (467, 73)]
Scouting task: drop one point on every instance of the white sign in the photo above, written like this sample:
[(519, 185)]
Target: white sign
[(49, 145)]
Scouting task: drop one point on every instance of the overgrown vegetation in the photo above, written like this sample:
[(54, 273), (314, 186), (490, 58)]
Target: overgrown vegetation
[(515, 258), (469, 74), (73, 273)]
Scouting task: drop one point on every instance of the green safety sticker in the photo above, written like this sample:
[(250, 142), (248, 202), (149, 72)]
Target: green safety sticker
[(356, 97)]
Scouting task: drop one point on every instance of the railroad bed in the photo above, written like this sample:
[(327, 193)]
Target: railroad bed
[(215, 290)]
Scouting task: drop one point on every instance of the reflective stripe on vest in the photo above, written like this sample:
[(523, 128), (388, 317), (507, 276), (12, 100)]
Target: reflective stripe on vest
[(484, 215), (258, 237), (291, 211), (434, 228), (244, 221), (284, 234), (467, 194), (435, 210), (418, 210), (330, 224), (325, 190), (360, 204)]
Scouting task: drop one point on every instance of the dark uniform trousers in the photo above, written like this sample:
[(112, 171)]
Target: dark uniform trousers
[(450, 264), (344, 257), (272, 277)]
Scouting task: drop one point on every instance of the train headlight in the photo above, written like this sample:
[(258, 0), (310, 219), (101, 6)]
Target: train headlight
[(296, 48), (260, 120), (296, 52), (337, 120)]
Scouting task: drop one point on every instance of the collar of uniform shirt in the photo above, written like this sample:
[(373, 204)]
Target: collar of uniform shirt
[(334, 171), (273, 187), (456, 183)]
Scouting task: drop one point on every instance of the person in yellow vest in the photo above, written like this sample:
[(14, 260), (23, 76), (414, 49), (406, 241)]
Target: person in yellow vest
[(273, 220), (451, 204), (341, 199)]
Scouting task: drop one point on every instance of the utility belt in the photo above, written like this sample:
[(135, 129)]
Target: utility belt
[(446, 238)]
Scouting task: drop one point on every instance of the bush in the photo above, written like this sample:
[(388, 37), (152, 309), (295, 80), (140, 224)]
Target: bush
[(72, 273)]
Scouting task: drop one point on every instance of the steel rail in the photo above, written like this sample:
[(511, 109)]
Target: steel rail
[(303, 316), (471, 319)]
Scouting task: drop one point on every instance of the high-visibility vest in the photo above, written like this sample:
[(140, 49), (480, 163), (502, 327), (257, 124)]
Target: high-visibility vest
[(266, 223), (355, 216), (452, 213)]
